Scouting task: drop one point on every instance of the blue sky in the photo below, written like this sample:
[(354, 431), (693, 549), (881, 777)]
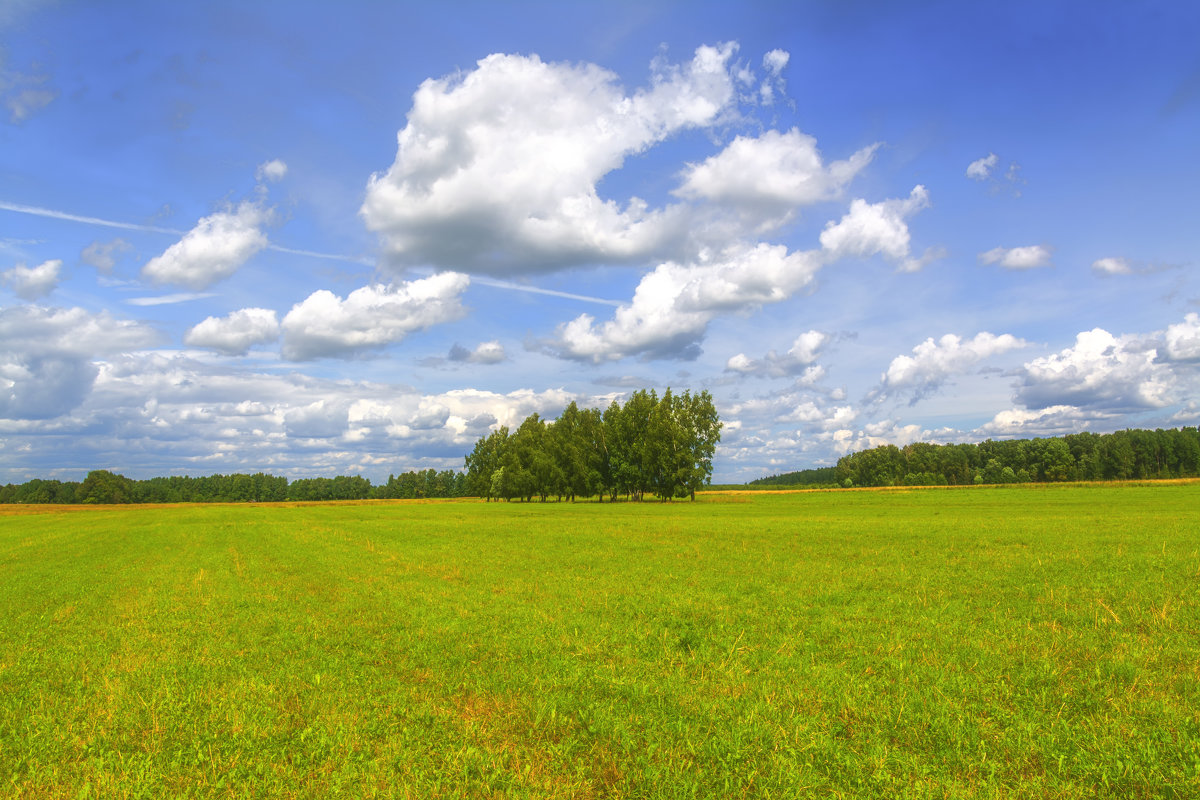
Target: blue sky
[(313, 239)]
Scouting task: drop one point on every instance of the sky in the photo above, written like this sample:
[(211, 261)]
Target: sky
[(314, 239)]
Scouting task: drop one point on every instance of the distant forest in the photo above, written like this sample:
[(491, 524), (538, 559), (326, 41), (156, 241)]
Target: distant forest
[(1124, 455), (102, 486), (818, 476)]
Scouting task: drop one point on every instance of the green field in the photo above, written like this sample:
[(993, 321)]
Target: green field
[(1023, 642)]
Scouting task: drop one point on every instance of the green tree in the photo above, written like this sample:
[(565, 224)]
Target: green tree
[(102, 486), (1057, 462)]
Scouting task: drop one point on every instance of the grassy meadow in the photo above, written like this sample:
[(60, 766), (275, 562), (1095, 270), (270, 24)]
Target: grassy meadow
[(1034, 641)]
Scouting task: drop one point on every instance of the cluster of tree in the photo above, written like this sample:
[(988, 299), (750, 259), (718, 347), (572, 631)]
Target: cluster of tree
[(423, 484), (1124, 455), (818, 476), (658, 445), (103, 486)]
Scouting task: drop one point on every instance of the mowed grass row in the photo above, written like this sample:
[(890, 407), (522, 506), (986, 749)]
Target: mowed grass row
[(997, 642)]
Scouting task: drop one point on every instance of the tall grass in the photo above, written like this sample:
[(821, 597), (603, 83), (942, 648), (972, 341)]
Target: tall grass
[(1009, 642)]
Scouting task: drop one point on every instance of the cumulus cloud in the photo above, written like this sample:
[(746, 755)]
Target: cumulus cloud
[(273, 170), (798, 360), (236, 333), (1029, 257), (30, 283), (875, 228), (774, 172), (797, 405), (321, 419), (326, 325), (876, 434), (672, 306), (981, 168), (1022, 423), (1112, 266), (148, 411), (47, 354), (1101, 371), (933, 362), (103, 255), (213, 250), (486, 353), (496, 169), (1183, 339)]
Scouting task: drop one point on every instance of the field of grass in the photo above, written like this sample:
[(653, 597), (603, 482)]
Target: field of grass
[(1036, 641)]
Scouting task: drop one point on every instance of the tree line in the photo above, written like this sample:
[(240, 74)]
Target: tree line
[(103, 486), (1123, 455), (816, 477), (650, 445)]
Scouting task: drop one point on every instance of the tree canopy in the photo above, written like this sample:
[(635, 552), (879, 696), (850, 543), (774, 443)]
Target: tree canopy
[(658, 445)]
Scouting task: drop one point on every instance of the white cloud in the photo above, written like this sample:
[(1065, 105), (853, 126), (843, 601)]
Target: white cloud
[(320, 419), (808, 346), (1112, 266), (1183, 339), (797, 405), (486, 353), (931, 254), (775, 60), (876, 434), (46, 356), (932, 362), (1020, 423), (30, 283), (169, 299), (798, 360), (808, 412), (1029, 257), (273, 170), (24, 94), (875, 228), (37, 331), (23, 103), (778, 171), (326, 325), (103, 255), (236, 333), (672, 306), (178, 409), (496, 169), (981, 168), (213, 250), (152, 412), (1100, 372)]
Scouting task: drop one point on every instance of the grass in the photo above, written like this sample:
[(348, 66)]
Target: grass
[(1035, 641)]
